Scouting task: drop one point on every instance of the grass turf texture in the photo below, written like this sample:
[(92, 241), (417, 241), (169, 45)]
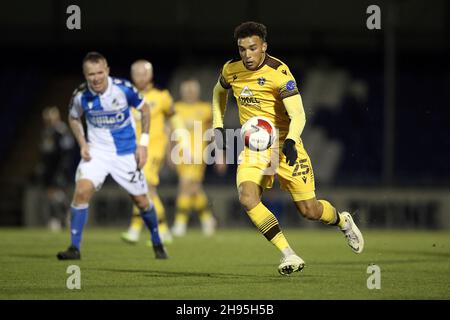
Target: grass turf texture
[(235, 264)]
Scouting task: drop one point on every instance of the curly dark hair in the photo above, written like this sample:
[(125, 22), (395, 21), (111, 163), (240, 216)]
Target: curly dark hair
[(250, 28)]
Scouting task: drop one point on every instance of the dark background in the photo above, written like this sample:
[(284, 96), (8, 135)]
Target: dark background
[(401, 142)]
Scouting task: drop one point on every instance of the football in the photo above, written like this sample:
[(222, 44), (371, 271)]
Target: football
[(258, 133)]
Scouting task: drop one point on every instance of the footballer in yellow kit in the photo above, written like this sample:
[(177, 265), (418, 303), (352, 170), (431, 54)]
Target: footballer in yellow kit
[(260, 93), (161, 104), (161, 108), (264, 86), (196, 116)]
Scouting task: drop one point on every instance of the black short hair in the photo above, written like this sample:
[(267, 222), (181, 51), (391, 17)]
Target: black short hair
[(250, 28), (94, 57)]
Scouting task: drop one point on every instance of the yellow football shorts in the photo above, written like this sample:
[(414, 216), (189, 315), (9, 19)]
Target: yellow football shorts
[(193, 172), (261, 167), (151, 170)]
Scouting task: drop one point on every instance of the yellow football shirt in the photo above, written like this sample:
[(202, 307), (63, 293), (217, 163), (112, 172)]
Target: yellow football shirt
[(197, 119), (260, 92), (160, 103)]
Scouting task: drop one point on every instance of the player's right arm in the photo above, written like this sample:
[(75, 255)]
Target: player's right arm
[(75, 113), (219, 104), (77, 129)]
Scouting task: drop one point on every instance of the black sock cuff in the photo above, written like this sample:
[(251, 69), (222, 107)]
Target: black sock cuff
[(338, 219)]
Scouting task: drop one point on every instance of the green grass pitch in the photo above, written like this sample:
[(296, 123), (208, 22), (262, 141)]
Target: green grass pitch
[(234, 264)]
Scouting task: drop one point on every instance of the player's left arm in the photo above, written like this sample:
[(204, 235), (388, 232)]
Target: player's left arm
[(135, 99), (292, 101), (296, 113)]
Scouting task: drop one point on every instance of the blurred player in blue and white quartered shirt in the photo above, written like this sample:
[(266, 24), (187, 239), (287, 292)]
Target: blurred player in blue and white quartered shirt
[(111, 147)]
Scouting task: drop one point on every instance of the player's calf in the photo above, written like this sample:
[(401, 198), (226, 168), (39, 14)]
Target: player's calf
[(249, 195), (310, 209), (142, 202)]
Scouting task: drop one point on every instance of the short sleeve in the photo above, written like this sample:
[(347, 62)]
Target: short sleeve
[(167, 101), (134, 98), (223, 78), (75, 109)]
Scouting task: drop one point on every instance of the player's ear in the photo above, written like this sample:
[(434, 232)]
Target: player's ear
[(264, 47)]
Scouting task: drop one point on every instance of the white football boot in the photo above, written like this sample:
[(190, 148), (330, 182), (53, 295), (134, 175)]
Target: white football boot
[(179, 229), (291, 263), (131, 236), (209, 226), (354, 236), (166, 237)]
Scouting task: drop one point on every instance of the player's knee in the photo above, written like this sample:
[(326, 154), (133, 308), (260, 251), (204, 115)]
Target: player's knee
[(185, 189), (142, 202), (196, 187), (248, 200), (83, 194), (309, 209)]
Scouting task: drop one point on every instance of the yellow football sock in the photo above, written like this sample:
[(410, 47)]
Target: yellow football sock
[(184, 204), (205, 215), (200, 204), (161, 213), (330, 215), (268, 225), (163, 227), (136, 220)]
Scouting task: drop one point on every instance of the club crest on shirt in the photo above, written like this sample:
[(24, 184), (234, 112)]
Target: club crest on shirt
[(115, 103), (261, 81)]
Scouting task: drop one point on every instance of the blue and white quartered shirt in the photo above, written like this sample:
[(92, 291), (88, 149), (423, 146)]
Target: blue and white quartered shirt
[(110, 124)]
